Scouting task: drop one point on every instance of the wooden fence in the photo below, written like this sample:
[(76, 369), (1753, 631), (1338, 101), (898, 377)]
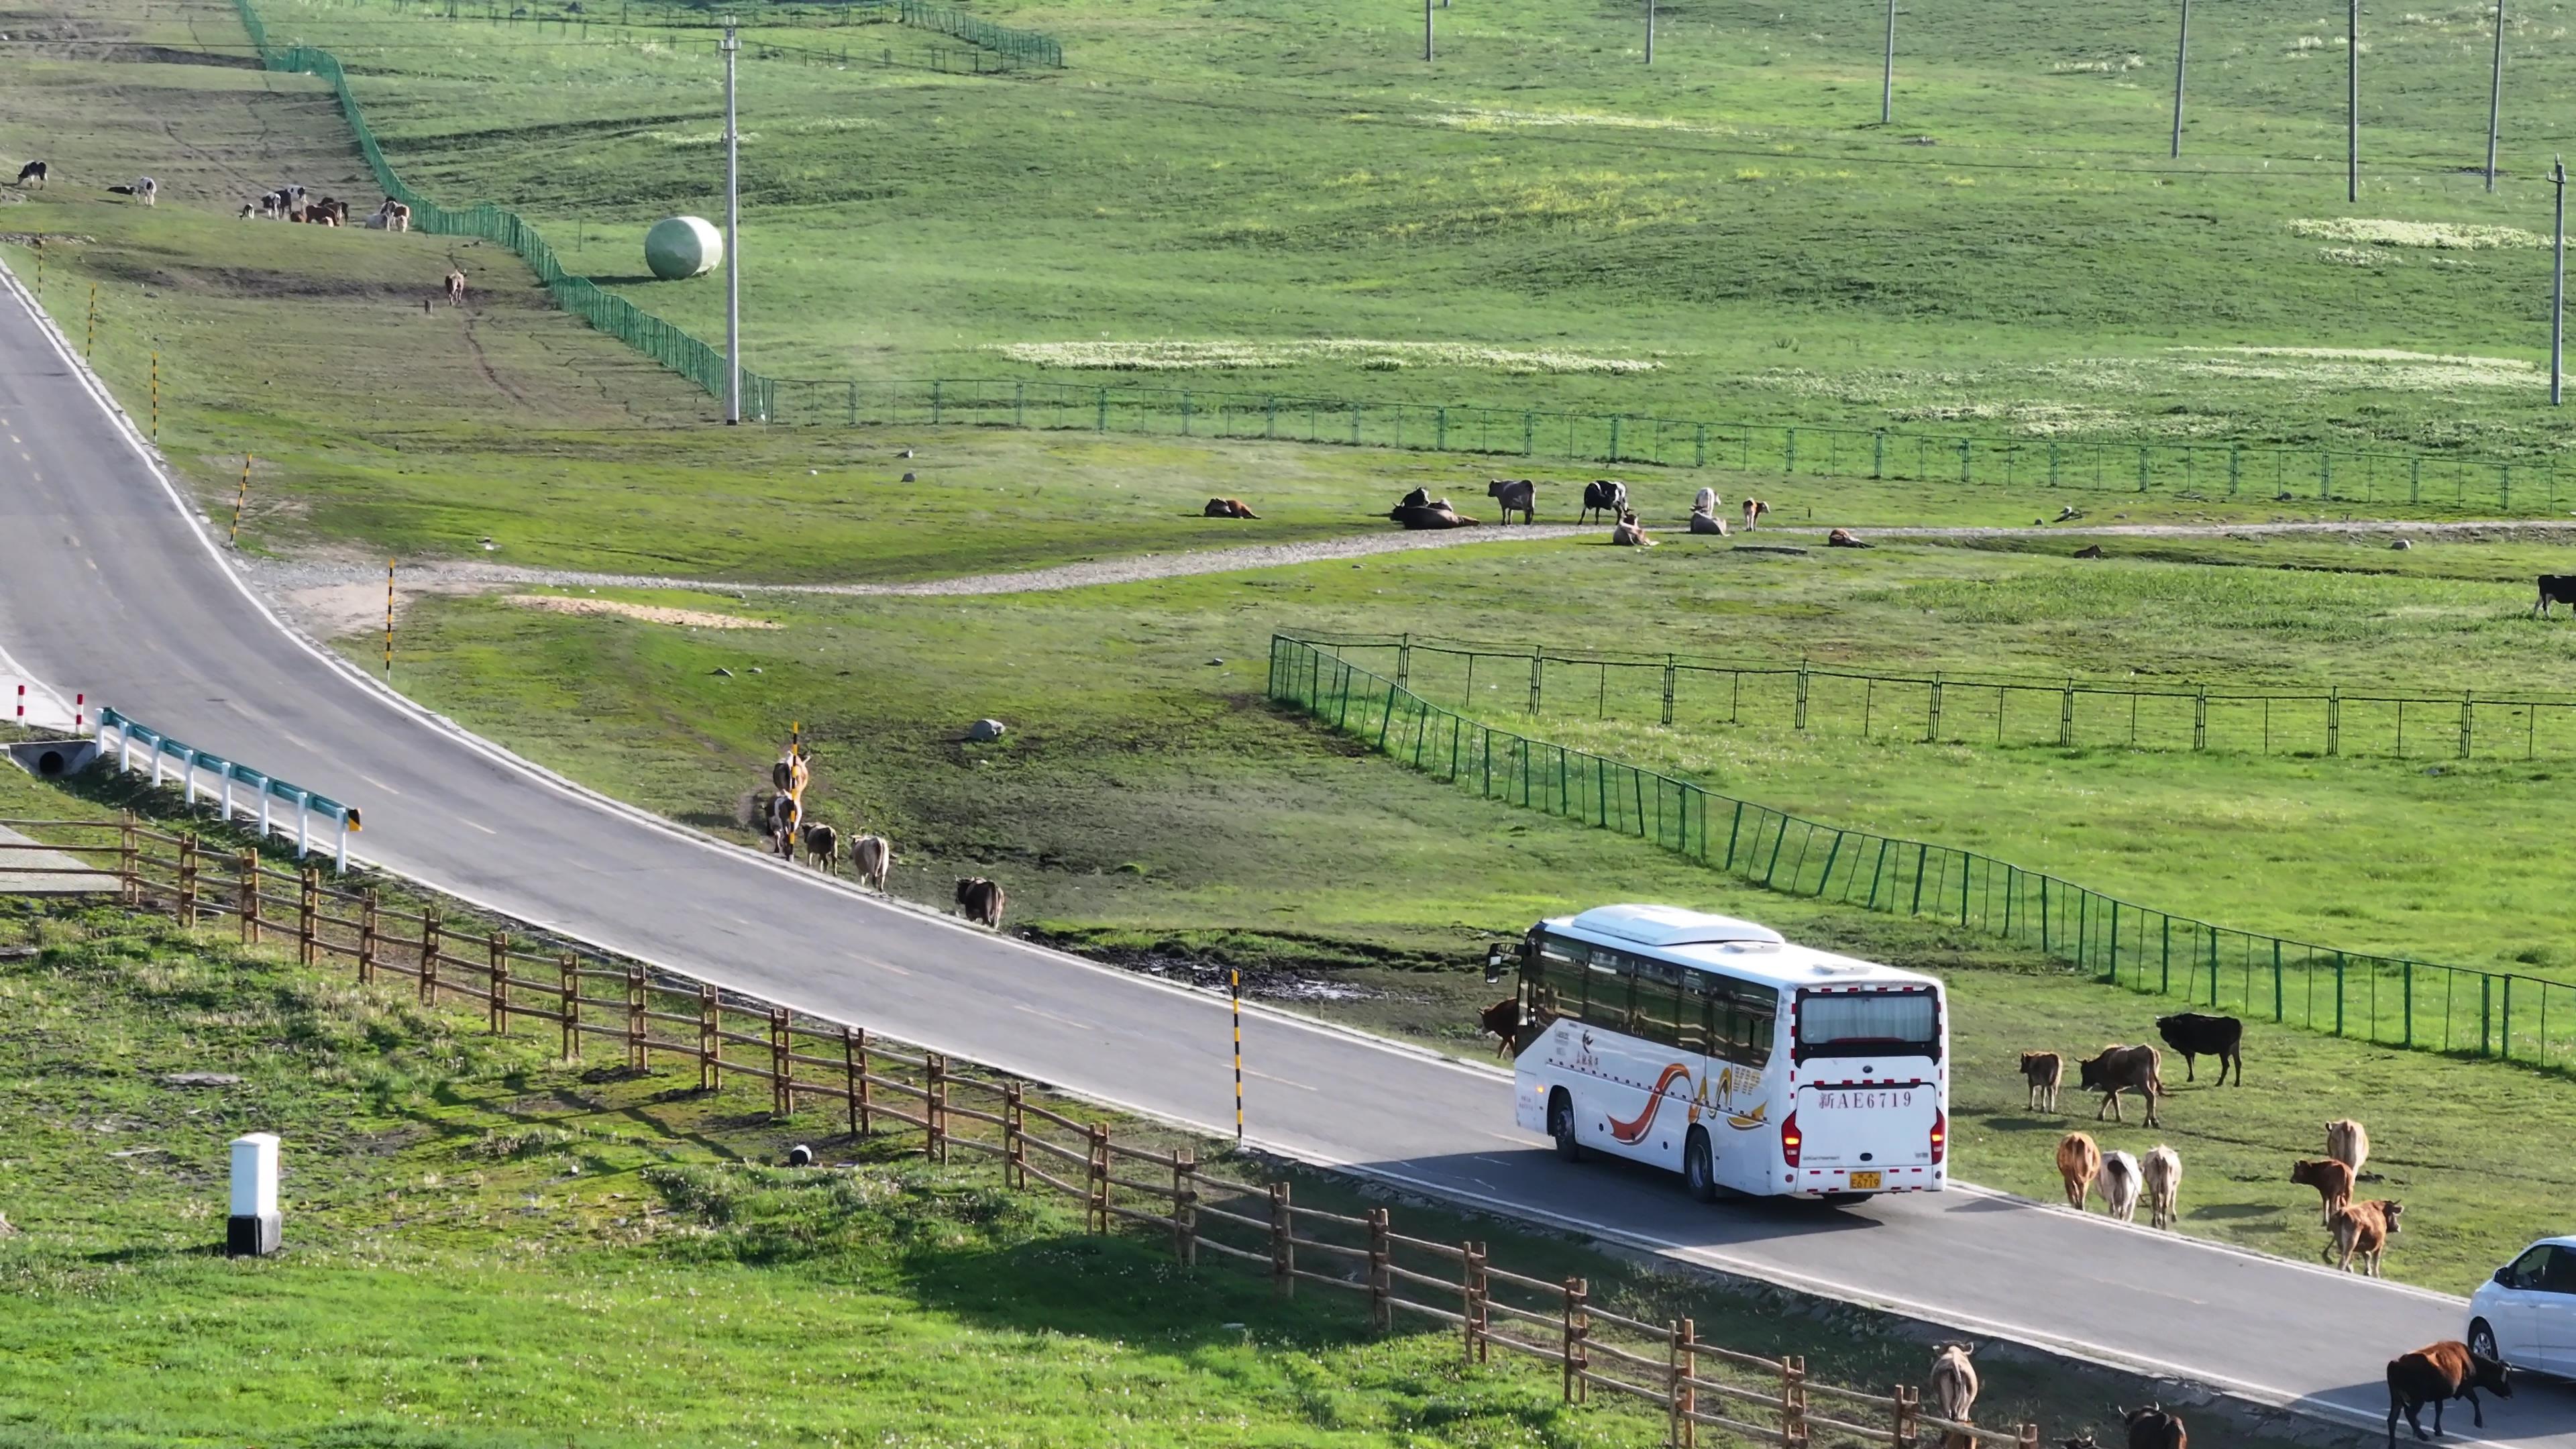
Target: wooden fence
[(596, 1002)]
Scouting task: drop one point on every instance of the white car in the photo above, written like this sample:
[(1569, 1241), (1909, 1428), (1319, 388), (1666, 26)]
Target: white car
[(2526, 1314)]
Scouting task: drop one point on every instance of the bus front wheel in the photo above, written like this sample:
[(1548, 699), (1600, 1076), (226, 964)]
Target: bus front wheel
[(1560, 1125), (1699, 1169)]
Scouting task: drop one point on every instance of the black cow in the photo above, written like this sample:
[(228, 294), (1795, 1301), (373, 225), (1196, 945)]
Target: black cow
[(32, 171), (2436, 1374), (1603, 495), (2555, 589), (2195, 1035)]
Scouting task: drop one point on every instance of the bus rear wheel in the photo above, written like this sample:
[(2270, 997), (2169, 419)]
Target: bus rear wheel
[(1699, 1167), (1560, 1125)]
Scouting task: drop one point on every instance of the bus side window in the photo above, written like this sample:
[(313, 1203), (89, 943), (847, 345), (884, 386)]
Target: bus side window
[(1756, 1022), (1555, 983), (1659, 1003), (1693, 1018), (1606, 992)]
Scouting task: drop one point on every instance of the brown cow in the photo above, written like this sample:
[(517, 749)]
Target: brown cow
[(2155, 1427), (1845, 538), (2362, 1230), (872, 856), (1503, 1021), (2044, 1071), (2079, 1161), (2331, 1179), (1627, 533), (1755, 510), (1229, 508), (1951, 1390), (2125, 1069), (979, 899), (2436, 1374)]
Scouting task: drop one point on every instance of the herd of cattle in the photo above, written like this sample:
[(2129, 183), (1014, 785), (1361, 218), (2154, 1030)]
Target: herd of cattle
[(782, 820)]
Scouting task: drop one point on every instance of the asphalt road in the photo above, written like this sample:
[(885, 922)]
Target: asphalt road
[(108, 586)]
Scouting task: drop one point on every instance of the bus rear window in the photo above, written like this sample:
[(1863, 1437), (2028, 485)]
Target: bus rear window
[(1869, 1023)]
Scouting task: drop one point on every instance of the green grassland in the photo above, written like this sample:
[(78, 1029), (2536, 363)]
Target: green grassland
[(488, 1246), (1539, 221)]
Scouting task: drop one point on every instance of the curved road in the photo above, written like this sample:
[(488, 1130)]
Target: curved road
[(108, 583)]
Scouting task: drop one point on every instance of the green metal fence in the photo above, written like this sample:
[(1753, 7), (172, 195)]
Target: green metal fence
[(1977, 707), (2390, 1000), (1794, 450), (1027, 47), (612, 314)]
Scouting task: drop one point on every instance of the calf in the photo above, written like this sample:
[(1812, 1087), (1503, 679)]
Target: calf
[(1951, 1391), (2331, 1179), (2079, 1161), (2197, 1036), (2554, 588), (2362, 1230), (1627, 533), (2121, 1180), (873, 857), (979, 899), (1503, 1021), (2164, 1186), (1515, 496), (2155, 1427), (2044, 1071), (1754, 511), (2437, 1374), (2125, 1069), (2348, 1144)]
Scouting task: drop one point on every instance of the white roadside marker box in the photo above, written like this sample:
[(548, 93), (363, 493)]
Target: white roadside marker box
[(252, 1230)]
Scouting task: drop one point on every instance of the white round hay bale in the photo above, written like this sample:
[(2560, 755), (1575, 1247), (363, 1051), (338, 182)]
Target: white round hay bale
[(683, 246)]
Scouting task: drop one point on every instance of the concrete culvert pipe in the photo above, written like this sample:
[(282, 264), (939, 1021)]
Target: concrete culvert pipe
[(680, 247)]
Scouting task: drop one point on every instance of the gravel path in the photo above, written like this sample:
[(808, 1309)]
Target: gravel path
[(335, 586)]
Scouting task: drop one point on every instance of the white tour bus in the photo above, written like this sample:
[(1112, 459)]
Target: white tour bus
[(1715, 1048)]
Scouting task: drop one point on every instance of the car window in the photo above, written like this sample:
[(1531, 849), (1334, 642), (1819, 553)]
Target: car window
[(2560, 1275), (2525, 1271)]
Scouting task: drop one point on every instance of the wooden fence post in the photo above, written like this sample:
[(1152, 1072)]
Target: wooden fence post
[(1283, 1243), (1685, 1398), (1098, 1168), (1793, 1401), (934, 1108), (1909, 1417), (368, 944), (429, 949), (1467, 1302), (308, 916), (1015, 1150), (1578, 1325), (782, 1071), (187, 880), (250, 897), (1185, 1206), (2026, 1436), (867, 1114), (129, 853), (854, 1083), (1381, 1282), (637, 1025), (571, 969), (497, 953), (710, 1049)]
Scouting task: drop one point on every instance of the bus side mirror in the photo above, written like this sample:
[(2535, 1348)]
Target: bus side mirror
[(1493, 963)]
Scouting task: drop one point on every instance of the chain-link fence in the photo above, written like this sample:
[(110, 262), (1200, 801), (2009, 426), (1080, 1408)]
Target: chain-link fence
[(1794, 450), (2390, 1000), (1977, 707)]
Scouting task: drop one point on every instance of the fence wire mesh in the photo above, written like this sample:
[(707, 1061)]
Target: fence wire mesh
[(2390, 1000)]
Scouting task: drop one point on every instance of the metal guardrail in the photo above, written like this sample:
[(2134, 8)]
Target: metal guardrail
[(265, 789)]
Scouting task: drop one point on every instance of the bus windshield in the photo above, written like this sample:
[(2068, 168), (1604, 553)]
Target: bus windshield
[(1905, 1022)]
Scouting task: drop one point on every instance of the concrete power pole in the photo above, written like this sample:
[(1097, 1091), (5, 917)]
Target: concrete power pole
[(1650, 32), (733, 236), (1426, 29), (2352, 101), (2495, 98), (1887, 77), (2182, 64), (2558, 281)]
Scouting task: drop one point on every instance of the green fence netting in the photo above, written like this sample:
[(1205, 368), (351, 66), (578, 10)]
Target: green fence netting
[(606, 311), (2389, 1000)]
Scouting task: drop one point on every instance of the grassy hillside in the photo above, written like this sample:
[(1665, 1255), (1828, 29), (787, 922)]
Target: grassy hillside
[(1286, 198)]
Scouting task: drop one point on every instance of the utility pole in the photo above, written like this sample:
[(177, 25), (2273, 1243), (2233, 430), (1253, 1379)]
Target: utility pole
[(2182, 65), (1650, 32), (732, 43), (2495, 98), (2557, 280), (1426, 29), (1887, 77), (2352, 101)]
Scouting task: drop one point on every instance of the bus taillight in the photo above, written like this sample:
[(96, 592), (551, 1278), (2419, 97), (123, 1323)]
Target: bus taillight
[(1790, 1140), (1940, 1136)]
